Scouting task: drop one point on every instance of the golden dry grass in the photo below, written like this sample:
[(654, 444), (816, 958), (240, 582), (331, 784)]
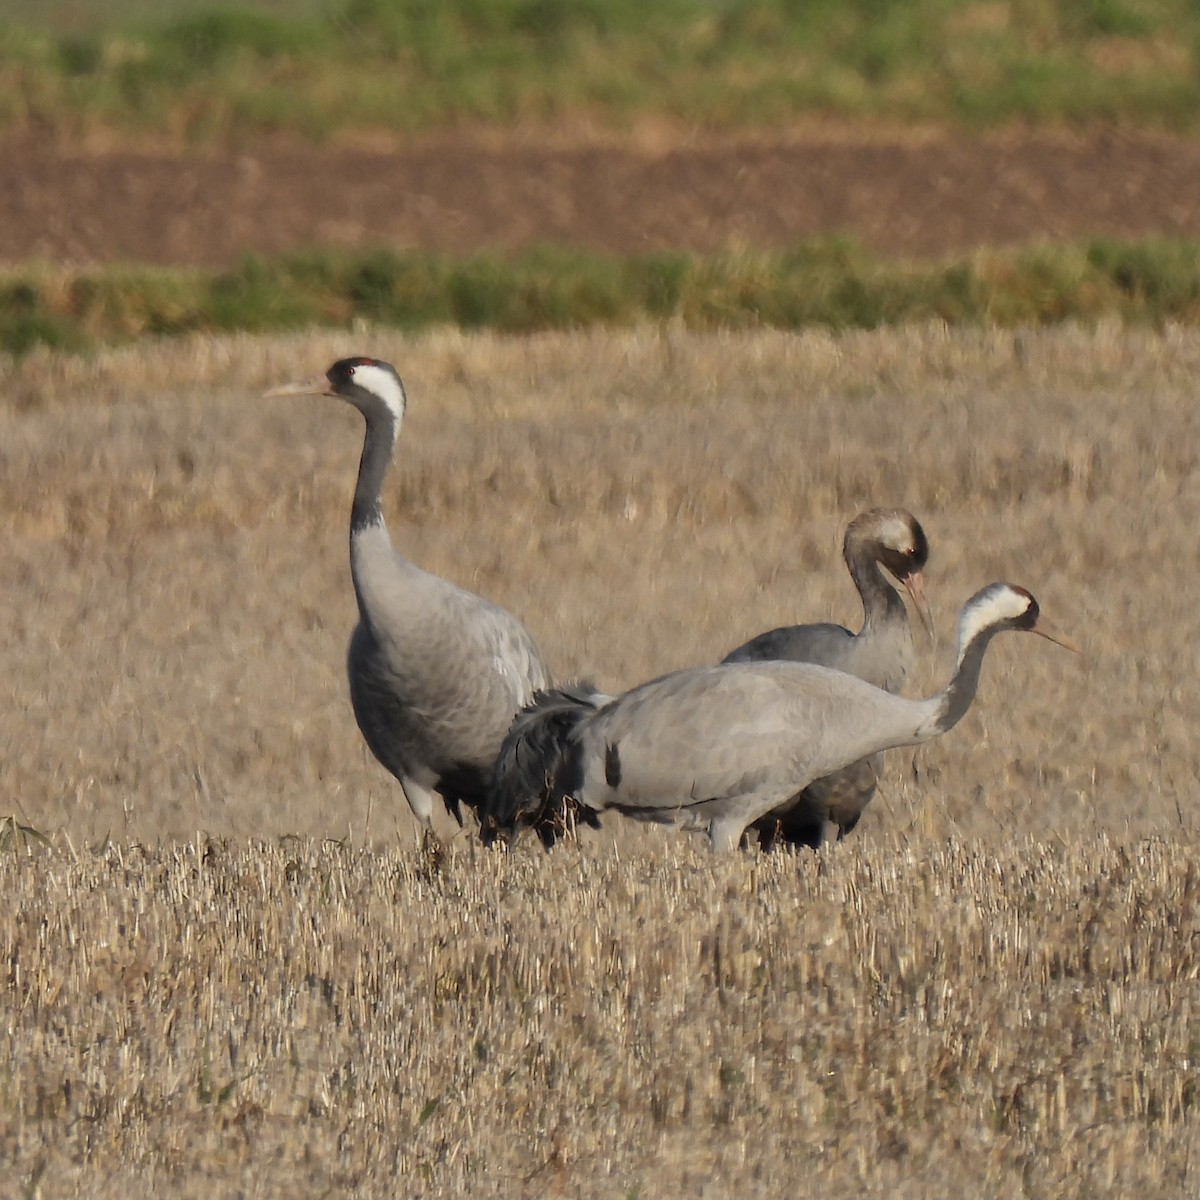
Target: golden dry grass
[(278, 1021), (989, 987)]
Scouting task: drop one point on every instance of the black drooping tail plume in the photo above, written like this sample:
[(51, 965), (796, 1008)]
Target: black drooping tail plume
[(538, 769)]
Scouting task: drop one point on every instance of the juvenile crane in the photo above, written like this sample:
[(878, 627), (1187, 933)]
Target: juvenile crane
[(721, 746), (880, 653), (436, 672)]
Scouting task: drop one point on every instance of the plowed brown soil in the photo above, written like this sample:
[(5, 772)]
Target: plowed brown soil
[(912, 195)]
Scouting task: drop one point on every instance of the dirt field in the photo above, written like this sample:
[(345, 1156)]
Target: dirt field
[(989, 987), (917, 194)]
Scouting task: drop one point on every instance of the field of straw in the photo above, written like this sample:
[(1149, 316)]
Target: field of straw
[(232, 969)]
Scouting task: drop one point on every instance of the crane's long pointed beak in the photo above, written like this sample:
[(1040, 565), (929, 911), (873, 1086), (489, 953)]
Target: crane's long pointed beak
[(1044, 629), (320, 386), (914, 585)]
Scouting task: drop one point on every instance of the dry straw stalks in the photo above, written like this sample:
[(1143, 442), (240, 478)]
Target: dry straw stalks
[(988, 988)]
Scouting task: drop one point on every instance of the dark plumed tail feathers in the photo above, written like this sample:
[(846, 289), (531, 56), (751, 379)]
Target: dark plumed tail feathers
[(538, 770)]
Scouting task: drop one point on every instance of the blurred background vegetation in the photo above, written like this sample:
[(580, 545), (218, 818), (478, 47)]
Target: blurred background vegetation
[(831, 282), (191, 76), (203, 72)]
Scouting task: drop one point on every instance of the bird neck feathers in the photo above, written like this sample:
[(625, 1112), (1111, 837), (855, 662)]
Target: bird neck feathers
[(881, 602), (378, 444)]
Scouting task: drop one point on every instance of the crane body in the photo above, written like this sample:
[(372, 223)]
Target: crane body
[(881, 653), (720, 747), (436, 672)]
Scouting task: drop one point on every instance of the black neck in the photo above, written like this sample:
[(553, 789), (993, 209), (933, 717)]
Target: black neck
[(378, 444), (960, 691)]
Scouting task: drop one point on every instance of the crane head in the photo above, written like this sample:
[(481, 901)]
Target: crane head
[(371, 385), (1007, 606), (900, 545)]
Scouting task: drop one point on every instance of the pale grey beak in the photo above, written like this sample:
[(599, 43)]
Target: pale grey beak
[(1044, 629), (914, 585), (320, 386)]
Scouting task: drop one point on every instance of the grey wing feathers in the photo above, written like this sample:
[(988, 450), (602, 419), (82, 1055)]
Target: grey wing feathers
[(826, 644), (536, 771), (696, 736), (435, 689), (841, 797)]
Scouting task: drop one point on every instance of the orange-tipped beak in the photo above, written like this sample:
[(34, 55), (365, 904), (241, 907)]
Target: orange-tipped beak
[(320, 386), (914, 585), (1044, 629)]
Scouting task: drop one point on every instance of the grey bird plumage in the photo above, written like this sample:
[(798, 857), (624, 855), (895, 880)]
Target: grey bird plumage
[(880, 653), (436, 673), (719, 747)]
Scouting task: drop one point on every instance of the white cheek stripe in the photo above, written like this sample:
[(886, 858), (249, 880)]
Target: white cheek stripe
[(384, 384), (996, 604)]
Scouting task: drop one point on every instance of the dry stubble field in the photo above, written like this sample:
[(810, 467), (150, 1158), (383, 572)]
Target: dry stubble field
[(235, 971)]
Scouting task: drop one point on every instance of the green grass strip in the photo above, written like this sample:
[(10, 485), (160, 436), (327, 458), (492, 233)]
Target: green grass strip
[(406, 65), (833, 283)]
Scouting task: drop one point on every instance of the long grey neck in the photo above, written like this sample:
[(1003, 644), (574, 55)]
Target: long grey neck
[(881, 602), (959, 694), (378, 444)]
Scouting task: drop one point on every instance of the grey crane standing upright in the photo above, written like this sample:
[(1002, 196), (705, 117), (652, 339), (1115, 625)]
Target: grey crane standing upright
[(722, 746), (436, 672), (881, 653)]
